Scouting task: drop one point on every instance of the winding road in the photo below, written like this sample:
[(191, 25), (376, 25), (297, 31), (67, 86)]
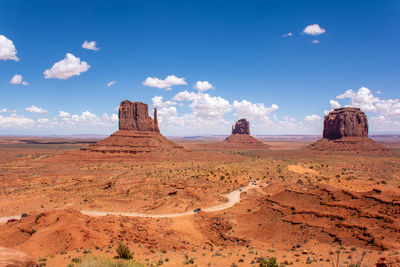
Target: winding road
[(233, 198)]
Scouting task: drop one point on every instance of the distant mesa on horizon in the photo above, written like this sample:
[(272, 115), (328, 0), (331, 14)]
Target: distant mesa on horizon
[(241, 138), (346, 129), (138, 133)]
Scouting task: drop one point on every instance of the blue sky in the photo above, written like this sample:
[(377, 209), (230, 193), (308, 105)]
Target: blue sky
[(282, 84)]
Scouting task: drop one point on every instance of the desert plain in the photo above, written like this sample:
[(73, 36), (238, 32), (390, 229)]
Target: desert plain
[(307, 208)]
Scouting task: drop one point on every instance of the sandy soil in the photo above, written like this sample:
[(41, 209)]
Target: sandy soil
[(315, 204)]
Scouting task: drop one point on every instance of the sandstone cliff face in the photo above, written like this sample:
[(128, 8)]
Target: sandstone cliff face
[(135, 116), (242, 126), (345, 122)]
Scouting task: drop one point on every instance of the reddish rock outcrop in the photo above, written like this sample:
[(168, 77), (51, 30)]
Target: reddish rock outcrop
[(241, 138), (346, 129), (13, 258), (135, 116), (345, 122), (138, 133), (242, 126), (393, 261)]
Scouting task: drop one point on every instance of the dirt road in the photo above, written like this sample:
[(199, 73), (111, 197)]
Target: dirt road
[(233, 198)]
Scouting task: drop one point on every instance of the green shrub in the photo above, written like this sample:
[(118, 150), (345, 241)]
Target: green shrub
[(124, 252), (271, 262), (76, 260)]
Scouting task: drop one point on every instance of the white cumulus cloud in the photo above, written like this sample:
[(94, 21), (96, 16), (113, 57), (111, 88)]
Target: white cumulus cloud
[(363, 99), (288, 34), (35, 109), (312, 118), (111, 83), (167, 83), (66, 68), (18, 79), (203, 86), (252, 111), (314, 29), (315, 41), (210, 107), (334, 104), (63, 114), (15, 121), (87, 118), (366, 101), (185, 96), (90, 45), (159, 103), (7, 49)]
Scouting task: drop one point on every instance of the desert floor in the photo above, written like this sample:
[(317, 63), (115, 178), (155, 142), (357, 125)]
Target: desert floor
[(312, 207)]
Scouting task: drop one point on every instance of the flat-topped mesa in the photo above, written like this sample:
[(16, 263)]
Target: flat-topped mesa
[(346, 129), (242, 126), (345, 122), (135, 116)]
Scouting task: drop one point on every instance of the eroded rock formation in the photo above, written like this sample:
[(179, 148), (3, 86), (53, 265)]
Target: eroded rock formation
[(242, 126), (346, 129), (345, 122), (135, 116), (138, 133), (241, 138)]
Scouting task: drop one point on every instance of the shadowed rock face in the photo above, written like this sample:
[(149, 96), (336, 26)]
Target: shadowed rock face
[(135, 116), (242, 126), (345, 122)]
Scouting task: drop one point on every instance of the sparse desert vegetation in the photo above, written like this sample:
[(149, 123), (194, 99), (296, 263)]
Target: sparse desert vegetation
[(308, 206)]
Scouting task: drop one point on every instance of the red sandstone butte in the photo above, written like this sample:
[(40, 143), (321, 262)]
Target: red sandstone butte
[(242, 126), (346, 129), (241, 138), (345, 122), (135, 116), (138, 133)]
